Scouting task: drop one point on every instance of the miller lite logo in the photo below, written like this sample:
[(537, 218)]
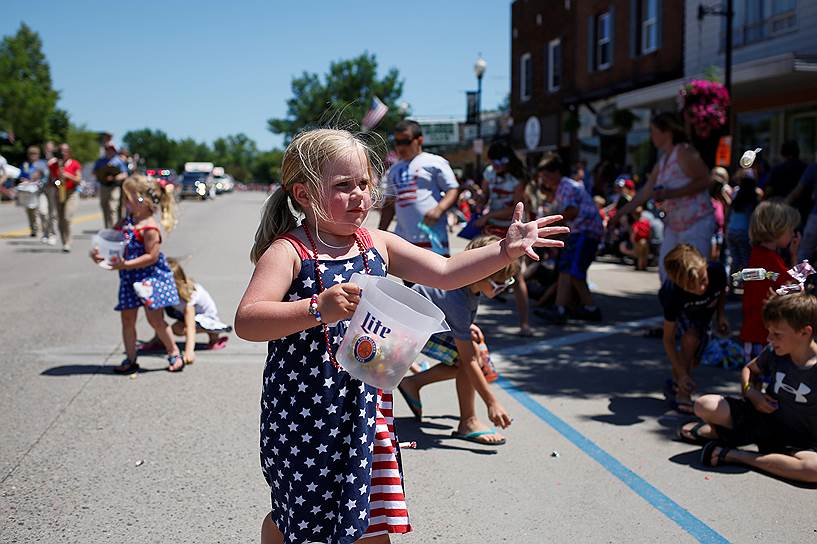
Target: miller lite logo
[(365, 349), (372, 325)]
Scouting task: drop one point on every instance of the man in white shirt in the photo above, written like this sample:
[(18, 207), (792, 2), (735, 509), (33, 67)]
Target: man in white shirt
[(420, 189)]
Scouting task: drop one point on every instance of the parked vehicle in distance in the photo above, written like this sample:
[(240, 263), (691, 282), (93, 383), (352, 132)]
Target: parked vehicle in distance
[(224, 181), (197, 180)]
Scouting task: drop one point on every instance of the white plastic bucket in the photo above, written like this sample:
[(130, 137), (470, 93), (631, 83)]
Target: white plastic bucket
[(111, 244), (388, 330), (28, 195)]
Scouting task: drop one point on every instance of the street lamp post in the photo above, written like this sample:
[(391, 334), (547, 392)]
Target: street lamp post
[(729, 13), (479, 71)]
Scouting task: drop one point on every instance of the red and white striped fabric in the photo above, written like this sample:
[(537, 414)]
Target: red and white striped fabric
[(387, 502)]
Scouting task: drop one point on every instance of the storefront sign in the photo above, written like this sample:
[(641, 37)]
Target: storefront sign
[(440, 133), (533, 132)]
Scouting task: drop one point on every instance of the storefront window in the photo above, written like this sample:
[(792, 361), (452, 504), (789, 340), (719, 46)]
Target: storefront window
[(758, 129), (803, 128)]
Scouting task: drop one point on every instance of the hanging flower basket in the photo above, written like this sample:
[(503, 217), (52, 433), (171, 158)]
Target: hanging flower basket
[(705, 105)]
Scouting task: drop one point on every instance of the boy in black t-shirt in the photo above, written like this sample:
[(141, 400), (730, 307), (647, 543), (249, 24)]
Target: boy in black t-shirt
[(693, 293), (783, 420)]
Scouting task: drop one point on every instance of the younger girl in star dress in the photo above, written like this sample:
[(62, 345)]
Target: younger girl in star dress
[(328, 448), (144, 276)]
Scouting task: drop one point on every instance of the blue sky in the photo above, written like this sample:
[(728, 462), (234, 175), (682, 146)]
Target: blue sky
[(207, 68)]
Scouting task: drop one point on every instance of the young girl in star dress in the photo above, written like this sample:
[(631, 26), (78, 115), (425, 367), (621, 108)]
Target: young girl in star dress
[(328, 448), (144, 276)]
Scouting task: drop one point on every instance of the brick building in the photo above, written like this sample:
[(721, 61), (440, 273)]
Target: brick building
[(595, 50)]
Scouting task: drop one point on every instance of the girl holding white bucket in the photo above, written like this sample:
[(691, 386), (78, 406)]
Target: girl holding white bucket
[(144, 276), (318, 424)]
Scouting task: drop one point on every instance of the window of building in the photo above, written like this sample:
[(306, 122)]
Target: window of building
[(525, 76), (554, 58), (649, 26), (758, 20), (604, 44)]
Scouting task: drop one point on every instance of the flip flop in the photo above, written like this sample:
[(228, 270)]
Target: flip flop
[(474, 437), (692, 435), (706, 454), (414, 405)]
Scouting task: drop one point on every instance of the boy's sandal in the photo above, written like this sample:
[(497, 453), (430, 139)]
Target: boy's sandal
[(414, 405), (175, 363), (692, 435), (126, 367), (706, 454), (475, 437)]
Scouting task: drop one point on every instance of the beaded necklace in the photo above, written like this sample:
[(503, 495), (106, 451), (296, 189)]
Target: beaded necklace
[(362, 250)]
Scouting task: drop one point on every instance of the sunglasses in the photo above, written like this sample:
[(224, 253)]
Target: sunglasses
[(500, 162), (499, 287), (404, 141)]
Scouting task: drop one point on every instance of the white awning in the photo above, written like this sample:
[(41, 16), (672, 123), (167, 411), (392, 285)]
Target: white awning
[(751, 78)]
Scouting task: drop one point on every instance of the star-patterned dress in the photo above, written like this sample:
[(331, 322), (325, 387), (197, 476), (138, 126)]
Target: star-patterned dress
[(328, 448), (158, 288)]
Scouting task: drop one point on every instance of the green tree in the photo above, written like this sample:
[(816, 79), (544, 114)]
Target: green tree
[(341, 98), (189, 150), (236, 154), (27, 99), (154, 146), (267, 166), (84, 143)]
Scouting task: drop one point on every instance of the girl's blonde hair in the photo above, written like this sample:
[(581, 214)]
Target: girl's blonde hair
[(771, 220), (683, 264), (155, 195), (184, 283), (510, 270), (305, 161)]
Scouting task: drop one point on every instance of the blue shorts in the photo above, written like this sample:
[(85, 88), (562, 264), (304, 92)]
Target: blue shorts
[(577, 255)]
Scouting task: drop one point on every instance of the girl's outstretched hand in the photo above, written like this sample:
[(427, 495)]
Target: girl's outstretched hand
[(523, 237)]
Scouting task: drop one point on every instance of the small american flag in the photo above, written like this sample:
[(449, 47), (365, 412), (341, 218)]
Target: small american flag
[(376, 112)]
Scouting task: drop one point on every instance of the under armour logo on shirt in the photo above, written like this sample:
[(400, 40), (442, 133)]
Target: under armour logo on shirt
[(799, 393)]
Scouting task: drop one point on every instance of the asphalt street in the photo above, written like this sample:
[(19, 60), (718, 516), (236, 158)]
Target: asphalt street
[(92, 457)]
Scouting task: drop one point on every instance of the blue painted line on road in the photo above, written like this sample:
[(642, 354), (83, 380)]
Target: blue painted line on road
[(689, 523)]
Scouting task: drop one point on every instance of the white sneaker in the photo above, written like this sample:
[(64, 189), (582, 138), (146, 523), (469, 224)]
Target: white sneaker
[(44, 239), (66, 248), (52, 240)]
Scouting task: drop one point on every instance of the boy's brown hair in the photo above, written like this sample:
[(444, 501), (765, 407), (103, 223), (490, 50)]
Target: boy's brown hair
[(510, 270), (796, 310), (682, 265), (771, 220)]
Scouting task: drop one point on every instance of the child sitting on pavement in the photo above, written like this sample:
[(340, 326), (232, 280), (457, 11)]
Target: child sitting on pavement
[(195, 313), (783, 420), (771, 228), (459, 354), (693, 293)]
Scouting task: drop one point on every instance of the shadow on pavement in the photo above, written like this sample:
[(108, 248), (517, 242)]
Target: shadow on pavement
[(412, 431), (632, 410), (692, 459), (76, 370)]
